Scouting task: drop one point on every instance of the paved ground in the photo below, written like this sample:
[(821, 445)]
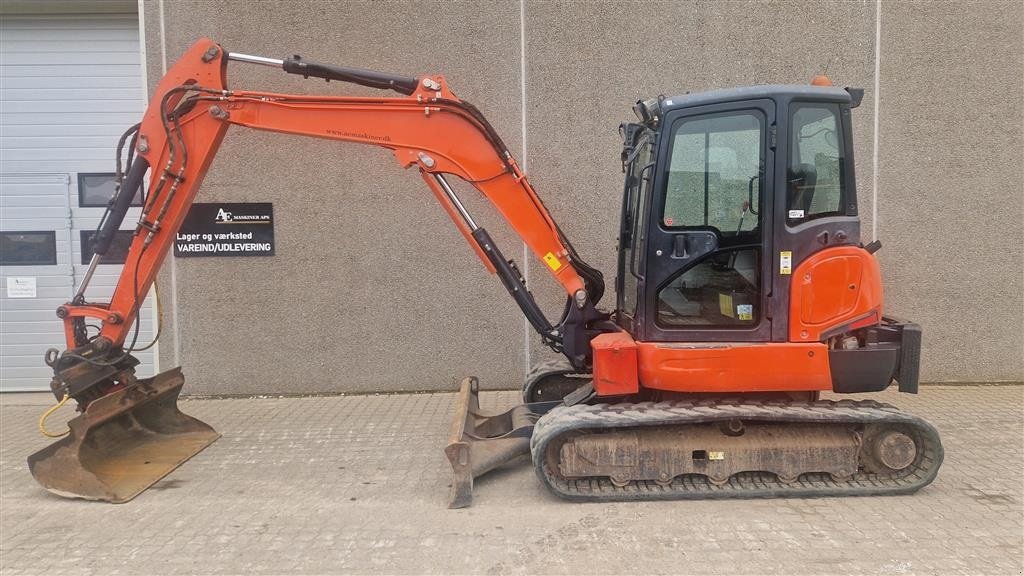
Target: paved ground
[(358, 484)]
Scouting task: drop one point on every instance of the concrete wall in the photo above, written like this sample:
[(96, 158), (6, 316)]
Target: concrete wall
[(951, 182), (372, 288)]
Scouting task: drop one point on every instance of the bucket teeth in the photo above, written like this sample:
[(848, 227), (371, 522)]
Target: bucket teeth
[(123, 443)]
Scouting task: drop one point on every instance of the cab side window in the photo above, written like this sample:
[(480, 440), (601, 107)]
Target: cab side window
[(639, 179), (815, 183)]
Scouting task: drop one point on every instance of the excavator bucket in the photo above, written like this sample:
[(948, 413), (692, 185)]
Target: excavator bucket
[(479, 443), (123, 443)]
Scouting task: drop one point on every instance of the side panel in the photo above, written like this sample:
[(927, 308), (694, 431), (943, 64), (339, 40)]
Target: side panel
[(734, 367), (835, 290), (615, 364)]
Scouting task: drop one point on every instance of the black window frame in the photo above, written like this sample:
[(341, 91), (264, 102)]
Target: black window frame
[(641, 173), (81, 191), (846, 206), (669, 263), (53, 243)]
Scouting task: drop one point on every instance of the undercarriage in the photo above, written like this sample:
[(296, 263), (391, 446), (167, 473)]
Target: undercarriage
[(724, 447)]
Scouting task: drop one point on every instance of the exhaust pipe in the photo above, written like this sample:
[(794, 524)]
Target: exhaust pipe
[(123, 443)]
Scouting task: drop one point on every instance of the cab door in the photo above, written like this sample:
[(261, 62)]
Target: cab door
[(707, 276)]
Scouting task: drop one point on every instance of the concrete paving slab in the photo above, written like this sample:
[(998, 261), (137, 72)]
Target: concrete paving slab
[(358, 485)]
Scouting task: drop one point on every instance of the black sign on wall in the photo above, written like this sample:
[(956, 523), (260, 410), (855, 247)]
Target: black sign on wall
[(227, 229)]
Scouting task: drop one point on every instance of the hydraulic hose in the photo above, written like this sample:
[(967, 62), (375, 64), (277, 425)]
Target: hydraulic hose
[(122, 203)]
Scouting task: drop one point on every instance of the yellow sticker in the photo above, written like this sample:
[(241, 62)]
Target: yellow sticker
[(552, 261), (785, 262), (725, 304), (712, 455)]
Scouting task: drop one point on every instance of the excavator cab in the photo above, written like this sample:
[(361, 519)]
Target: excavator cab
[(740, 225), (724, 191)]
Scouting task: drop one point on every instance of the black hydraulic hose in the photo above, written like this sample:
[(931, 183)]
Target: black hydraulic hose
[(133, 132), (514, 283), (119, 208), (474, 114)]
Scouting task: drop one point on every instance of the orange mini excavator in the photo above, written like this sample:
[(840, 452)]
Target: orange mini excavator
[(743, 291)]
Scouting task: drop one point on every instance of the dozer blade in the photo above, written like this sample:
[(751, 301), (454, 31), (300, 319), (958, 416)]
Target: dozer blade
[(123, 443), (479, 443)]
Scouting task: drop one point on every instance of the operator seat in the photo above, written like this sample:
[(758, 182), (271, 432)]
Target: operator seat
[(802, 180)]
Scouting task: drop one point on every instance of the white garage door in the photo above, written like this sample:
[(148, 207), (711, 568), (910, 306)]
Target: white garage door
[(69, 86)]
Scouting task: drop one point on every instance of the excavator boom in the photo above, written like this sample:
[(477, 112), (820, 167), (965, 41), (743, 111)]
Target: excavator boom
[(429, 128), (426, 127)]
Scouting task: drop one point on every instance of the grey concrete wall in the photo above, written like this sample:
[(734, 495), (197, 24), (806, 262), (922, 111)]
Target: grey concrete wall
[(372, 288), (951, 182)]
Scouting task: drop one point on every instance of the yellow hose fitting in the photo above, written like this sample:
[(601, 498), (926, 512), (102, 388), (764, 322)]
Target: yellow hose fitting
[(51, 410)]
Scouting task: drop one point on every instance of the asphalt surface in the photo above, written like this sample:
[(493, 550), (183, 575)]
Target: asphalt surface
[(358, 485)]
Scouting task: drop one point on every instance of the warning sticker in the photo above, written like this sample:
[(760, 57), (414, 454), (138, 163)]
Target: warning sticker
[(552, 261), (745, 312), (725, 305), (785, 262)]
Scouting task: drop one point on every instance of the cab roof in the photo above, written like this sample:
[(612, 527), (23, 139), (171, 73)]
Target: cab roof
[(779, 92)]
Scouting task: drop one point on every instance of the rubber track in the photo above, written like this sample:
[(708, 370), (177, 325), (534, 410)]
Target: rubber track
[(541, 369), (547, 369), (565, 420)]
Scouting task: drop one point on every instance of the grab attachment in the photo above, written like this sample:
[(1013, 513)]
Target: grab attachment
[(479, 443), (123, 443)]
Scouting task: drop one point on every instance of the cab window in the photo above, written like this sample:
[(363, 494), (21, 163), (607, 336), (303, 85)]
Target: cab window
[(638, 178), (714, 177), (815, 184)]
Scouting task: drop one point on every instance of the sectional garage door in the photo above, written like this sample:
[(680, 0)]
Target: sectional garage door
[(69, 86)]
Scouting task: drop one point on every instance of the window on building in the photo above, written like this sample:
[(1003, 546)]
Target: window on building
[(28, 248), (118, 252), (95, 189)]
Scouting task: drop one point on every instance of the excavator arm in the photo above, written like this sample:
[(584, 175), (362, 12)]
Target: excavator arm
[(130, 432)]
